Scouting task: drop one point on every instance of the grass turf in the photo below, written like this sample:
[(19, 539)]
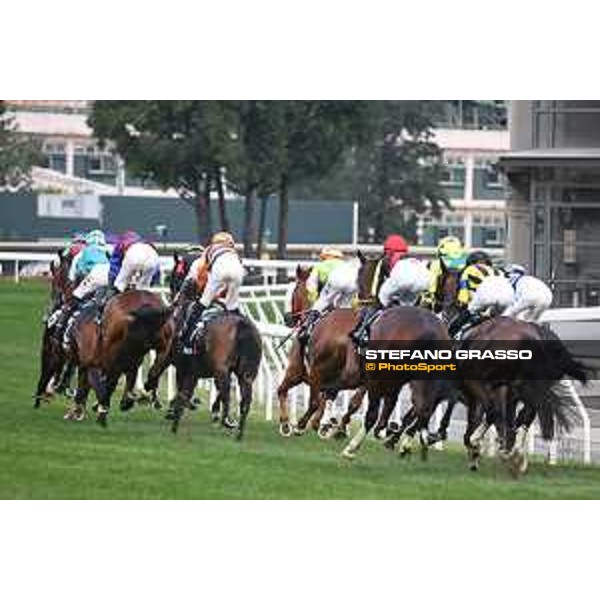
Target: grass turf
[(42, 456)]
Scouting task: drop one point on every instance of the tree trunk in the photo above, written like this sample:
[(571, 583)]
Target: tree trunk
[(284, 207), (223, 217), (282, 228), (249, 234), (262, 219), (203, 217)]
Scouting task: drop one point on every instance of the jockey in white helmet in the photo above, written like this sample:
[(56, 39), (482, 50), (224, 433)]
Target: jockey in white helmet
[(532, 295)]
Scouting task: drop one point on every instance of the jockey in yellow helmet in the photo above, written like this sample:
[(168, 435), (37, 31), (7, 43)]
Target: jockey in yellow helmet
[(331, 284), (450, 256)]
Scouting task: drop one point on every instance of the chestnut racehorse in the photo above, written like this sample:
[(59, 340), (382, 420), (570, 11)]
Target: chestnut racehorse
[(325, 364), (133, 323)]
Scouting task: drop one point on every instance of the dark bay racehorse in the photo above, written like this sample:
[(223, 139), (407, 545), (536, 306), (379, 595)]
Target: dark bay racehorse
[(230, 345), (54, 365), (181, 266), (411, 325), (511, 395)]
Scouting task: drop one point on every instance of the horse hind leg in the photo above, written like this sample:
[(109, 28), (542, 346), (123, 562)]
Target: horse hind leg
[(77, 411), (128, 398), (223, 385), (356, 442), (245, 383), (294, 376), (353, 407)]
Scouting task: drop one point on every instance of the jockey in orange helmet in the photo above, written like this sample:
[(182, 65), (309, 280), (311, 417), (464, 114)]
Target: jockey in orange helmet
[(219, 274)]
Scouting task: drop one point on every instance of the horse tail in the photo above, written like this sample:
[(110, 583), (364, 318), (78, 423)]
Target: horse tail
[(249, 348), (556, 413), (148, 319), (556, 410), (560, 360)]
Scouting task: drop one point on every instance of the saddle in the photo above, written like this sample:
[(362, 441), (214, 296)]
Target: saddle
[(210, 314)]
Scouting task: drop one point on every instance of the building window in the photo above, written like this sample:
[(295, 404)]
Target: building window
[(492, 178), (454, 172)]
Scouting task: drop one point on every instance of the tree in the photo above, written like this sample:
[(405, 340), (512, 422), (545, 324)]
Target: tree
[(18, 154), (179, 144), (394, 173), (317, 133), (256, 172)]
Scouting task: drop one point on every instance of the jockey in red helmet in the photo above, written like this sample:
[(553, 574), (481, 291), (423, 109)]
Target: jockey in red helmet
[(394, 248)]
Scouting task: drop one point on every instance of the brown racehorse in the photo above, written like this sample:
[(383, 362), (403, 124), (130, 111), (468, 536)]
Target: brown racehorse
[(231, 345), (324, 365), (410, 325), (510, 396), (133, 323), (54, 367)]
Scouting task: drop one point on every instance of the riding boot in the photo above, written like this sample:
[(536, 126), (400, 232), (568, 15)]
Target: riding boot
[(359, 334), (70, 309), (102, 297), (194, 312), (307, 325)]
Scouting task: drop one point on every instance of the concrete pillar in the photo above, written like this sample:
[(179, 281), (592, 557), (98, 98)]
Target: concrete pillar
[(70, 157), (518, 240), (469, 186)]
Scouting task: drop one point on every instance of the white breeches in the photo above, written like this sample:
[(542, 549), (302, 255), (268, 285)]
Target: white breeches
[(408, 278), (339, 289), (139, 265), (227, 273), (494, 291), (532, 298), (95, 279)]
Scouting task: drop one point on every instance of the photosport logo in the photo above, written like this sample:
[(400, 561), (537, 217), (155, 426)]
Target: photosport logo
[(479, 359)]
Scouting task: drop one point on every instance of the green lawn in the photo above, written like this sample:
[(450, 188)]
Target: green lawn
[(41, 456)]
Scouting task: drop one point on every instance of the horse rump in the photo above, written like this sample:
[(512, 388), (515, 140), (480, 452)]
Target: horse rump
[(249, 348), (147, 319)]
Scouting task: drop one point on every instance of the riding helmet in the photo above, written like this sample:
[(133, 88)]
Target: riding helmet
[(451, 252), (223, 237), (330, 252), (395, 243), (479, 257)]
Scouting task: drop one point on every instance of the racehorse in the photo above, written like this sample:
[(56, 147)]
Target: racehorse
[(413, 326), (133, 323), (230, 345), (54, 366), (495, 390), (324, 364), (181, 267)]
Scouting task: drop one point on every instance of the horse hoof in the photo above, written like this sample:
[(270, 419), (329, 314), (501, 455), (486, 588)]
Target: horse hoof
[(157, 405), (285, 429), (298, 432), (229, 423), (340, 434), (380, 434), (102, 420), (323, 432), (389, 445), (95, 407), (127, 405), (474, 467), (348, 454)]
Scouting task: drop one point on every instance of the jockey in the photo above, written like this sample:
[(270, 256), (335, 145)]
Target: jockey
[(133, 260), (408, 277), (331, 284), (450, 256), (90, 269), (219, 272), (532, 295), (481, 289), (75, 246)]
